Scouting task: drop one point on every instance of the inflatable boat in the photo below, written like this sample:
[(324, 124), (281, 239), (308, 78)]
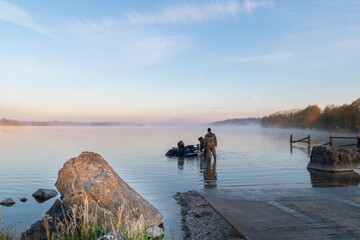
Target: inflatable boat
[(184, 151)]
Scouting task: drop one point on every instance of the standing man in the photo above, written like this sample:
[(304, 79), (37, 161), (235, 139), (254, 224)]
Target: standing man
[(210, 143)]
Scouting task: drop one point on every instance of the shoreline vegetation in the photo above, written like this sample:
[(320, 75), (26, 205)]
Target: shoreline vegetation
[(76, 225), (344, 118), (334, 118)]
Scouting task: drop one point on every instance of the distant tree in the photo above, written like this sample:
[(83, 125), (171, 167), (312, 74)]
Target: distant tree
[(345, 117), (7, 122)]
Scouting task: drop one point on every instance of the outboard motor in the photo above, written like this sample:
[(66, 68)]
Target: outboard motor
[(181, 148)]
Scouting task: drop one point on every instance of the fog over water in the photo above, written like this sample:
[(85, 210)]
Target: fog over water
[(248, 157)]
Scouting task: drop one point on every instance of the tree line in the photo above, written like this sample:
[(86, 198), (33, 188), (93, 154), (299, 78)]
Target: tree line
[(344, 118)]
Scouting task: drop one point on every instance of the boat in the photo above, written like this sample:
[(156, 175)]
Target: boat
[(184, 151)]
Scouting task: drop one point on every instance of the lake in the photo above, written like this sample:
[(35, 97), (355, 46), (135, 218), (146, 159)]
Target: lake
[(248, 157)]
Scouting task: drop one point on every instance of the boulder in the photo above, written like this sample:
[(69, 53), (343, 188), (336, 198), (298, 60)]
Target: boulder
[(331, 159), (88, 180), (42, 195), (8, 202), (37, 230), (112, 236), (24, 199)]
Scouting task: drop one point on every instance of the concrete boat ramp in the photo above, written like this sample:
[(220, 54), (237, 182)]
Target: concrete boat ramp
[(297, 213)]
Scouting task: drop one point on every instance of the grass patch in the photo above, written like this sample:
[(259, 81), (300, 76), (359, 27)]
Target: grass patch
[(79, 224), (6, 232), (236, 234)]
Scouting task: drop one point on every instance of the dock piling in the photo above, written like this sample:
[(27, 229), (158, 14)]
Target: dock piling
[(331, 140)]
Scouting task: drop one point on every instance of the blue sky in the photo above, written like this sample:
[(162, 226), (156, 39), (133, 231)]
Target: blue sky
[(175, 61)]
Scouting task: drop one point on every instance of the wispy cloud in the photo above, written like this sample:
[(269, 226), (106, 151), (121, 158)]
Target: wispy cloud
[(263, 58), (11, 13), (133, 44), (251, 5), (196, 13)]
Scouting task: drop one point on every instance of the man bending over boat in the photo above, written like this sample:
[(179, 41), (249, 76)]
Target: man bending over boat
[(210, 143)]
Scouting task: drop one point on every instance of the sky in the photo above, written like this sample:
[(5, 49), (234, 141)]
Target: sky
[(179, 62)]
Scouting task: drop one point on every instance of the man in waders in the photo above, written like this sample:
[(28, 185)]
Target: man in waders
[(210, 143)]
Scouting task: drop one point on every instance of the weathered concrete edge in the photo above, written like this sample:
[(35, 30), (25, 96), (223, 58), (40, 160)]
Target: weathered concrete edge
[(239, 232), (195, 211)]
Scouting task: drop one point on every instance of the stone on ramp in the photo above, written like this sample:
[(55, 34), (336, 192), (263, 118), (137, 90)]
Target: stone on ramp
[(89, 177), (331, 159)]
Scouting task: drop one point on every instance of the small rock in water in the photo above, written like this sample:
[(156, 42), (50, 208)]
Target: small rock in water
[(8, 202), (155, 231), (41, 195), (111, 236), (24, 199)]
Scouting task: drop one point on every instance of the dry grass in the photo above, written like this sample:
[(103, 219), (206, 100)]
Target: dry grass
[(6, 232), (82, 224)]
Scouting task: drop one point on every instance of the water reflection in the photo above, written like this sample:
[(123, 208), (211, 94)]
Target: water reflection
[(333, 179), (208, 169), (181, 162), (305, 150)]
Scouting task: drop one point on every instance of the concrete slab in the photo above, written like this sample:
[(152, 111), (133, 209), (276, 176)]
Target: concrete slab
[(341, 216), (300, 213), (259, 220)]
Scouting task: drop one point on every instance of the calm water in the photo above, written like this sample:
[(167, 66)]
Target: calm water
[(248, 157)]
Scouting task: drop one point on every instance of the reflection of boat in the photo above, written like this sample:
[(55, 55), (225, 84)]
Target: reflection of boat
[(184, 151), (334, 179)]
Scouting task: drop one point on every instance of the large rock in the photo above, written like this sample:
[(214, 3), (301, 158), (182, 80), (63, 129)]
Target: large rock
[(331, 159), (89, 178)]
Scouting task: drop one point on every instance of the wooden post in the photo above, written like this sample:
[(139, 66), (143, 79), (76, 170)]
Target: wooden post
[(358, 143), (309, 140), (331, 140), (291, 139)]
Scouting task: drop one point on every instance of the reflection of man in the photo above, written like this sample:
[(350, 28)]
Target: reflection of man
[(210, 142), (210, 175)]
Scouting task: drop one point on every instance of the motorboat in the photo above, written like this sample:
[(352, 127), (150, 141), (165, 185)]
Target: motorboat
[(184, 151)]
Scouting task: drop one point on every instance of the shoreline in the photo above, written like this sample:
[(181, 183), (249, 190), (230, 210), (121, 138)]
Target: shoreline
[(201, 221)]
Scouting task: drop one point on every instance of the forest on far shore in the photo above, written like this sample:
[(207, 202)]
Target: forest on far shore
[(339, 118)]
